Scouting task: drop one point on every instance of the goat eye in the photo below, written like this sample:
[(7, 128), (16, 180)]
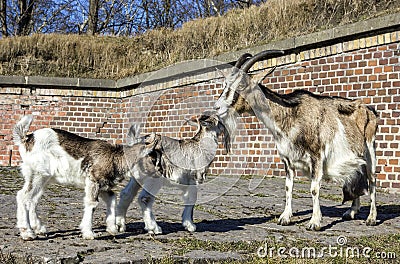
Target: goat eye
[(235, 97)]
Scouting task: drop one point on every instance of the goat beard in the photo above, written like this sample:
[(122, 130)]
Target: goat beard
[(230, 125)]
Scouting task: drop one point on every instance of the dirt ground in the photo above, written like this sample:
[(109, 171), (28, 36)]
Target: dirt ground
[(235, 217)]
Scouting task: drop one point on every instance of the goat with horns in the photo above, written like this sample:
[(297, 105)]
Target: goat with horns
[(325, 137)]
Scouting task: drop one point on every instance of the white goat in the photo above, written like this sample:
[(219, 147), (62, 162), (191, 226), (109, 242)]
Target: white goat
[(325, 137), (183, 163), (54, 155)]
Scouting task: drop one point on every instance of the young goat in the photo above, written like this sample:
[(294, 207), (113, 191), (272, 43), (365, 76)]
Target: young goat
[(182, 162), (54, 155), (325, 137)]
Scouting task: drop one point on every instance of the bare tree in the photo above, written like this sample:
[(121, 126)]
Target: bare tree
[(26, 8), (93, 18), (244, 3), (111, 17), (3, 17)]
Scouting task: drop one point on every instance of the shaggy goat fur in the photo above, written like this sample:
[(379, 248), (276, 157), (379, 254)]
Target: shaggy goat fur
[(183, 163), (325, 137), (54, 155)]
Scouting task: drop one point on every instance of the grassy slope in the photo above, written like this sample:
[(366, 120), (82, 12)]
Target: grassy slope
[(118, 57)]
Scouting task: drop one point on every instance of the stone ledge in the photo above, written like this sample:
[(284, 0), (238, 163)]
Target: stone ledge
[(59, 82)]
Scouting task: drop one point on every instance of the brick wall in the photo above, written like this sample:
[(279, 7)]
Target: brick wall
[(366, 68)]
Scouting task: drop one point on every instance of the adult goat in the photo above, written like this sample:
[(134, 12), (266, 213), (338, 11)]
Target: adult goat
[(55, 155), (325, 137), (181, 162)]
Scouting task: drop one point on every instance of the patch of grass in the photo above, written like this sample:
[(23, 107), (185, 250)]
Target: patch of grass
[(302, 182), (10, 180), (187, 244), (248, 250), (9, 258), (246, 177), (327, 196), (118, 57), (202, 208), (295, 196), (260, 195), (331, 197)]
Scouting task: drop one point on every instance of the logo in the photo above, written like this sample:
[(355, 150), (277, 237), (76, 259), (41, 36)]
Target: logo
[(331, 251)]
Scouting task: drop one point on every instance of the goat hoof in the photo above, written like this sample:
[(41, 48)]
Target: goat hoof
[(41, 231), (28, 235), (283, 221), (190, 227), (313, 227), (155, 231), (371, 222), (88, 235), (112, 230), (120, 223), (28, 238), (121, 228), (347, 216)]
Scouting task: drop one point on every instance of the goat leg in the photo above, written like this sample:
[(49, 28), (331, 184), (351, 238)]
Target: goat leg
[(354, 209), (27, 199), (40, 184), (146, 200), (315, 222), (110, 200), (125, 199), (371, 220), (284, 219), (189, 199), (23, 224), (91, 202)]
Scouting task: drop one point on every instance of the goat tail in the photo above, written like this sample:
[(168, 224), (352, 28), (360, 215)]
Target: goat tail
[(21, 129), (134, 131)]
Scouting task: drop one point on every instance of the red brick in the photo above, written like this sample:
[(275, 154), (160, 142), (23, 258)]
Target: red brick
[(372, 63)]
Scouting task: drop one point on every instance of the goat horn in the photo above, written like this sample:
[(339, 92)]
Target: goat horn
[(250, 62), (242, 60)]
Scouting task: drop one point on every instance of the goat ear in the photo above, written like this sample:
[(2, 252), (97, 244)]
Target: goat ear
[(133, 134), (133, 131), (193, 121)]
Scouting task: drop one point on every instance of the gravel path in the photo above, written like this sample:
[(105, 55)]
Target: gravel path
[(232, 213)]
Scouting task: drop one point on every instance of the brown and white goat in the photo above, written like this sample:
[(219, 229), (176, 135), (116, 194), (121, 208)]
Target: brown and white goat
[(325, 137), (55, 155), (179, 162)]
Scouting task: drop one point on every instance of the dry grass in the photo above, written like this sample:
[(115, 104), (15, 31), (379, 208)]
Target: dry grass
[(118, 57)]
